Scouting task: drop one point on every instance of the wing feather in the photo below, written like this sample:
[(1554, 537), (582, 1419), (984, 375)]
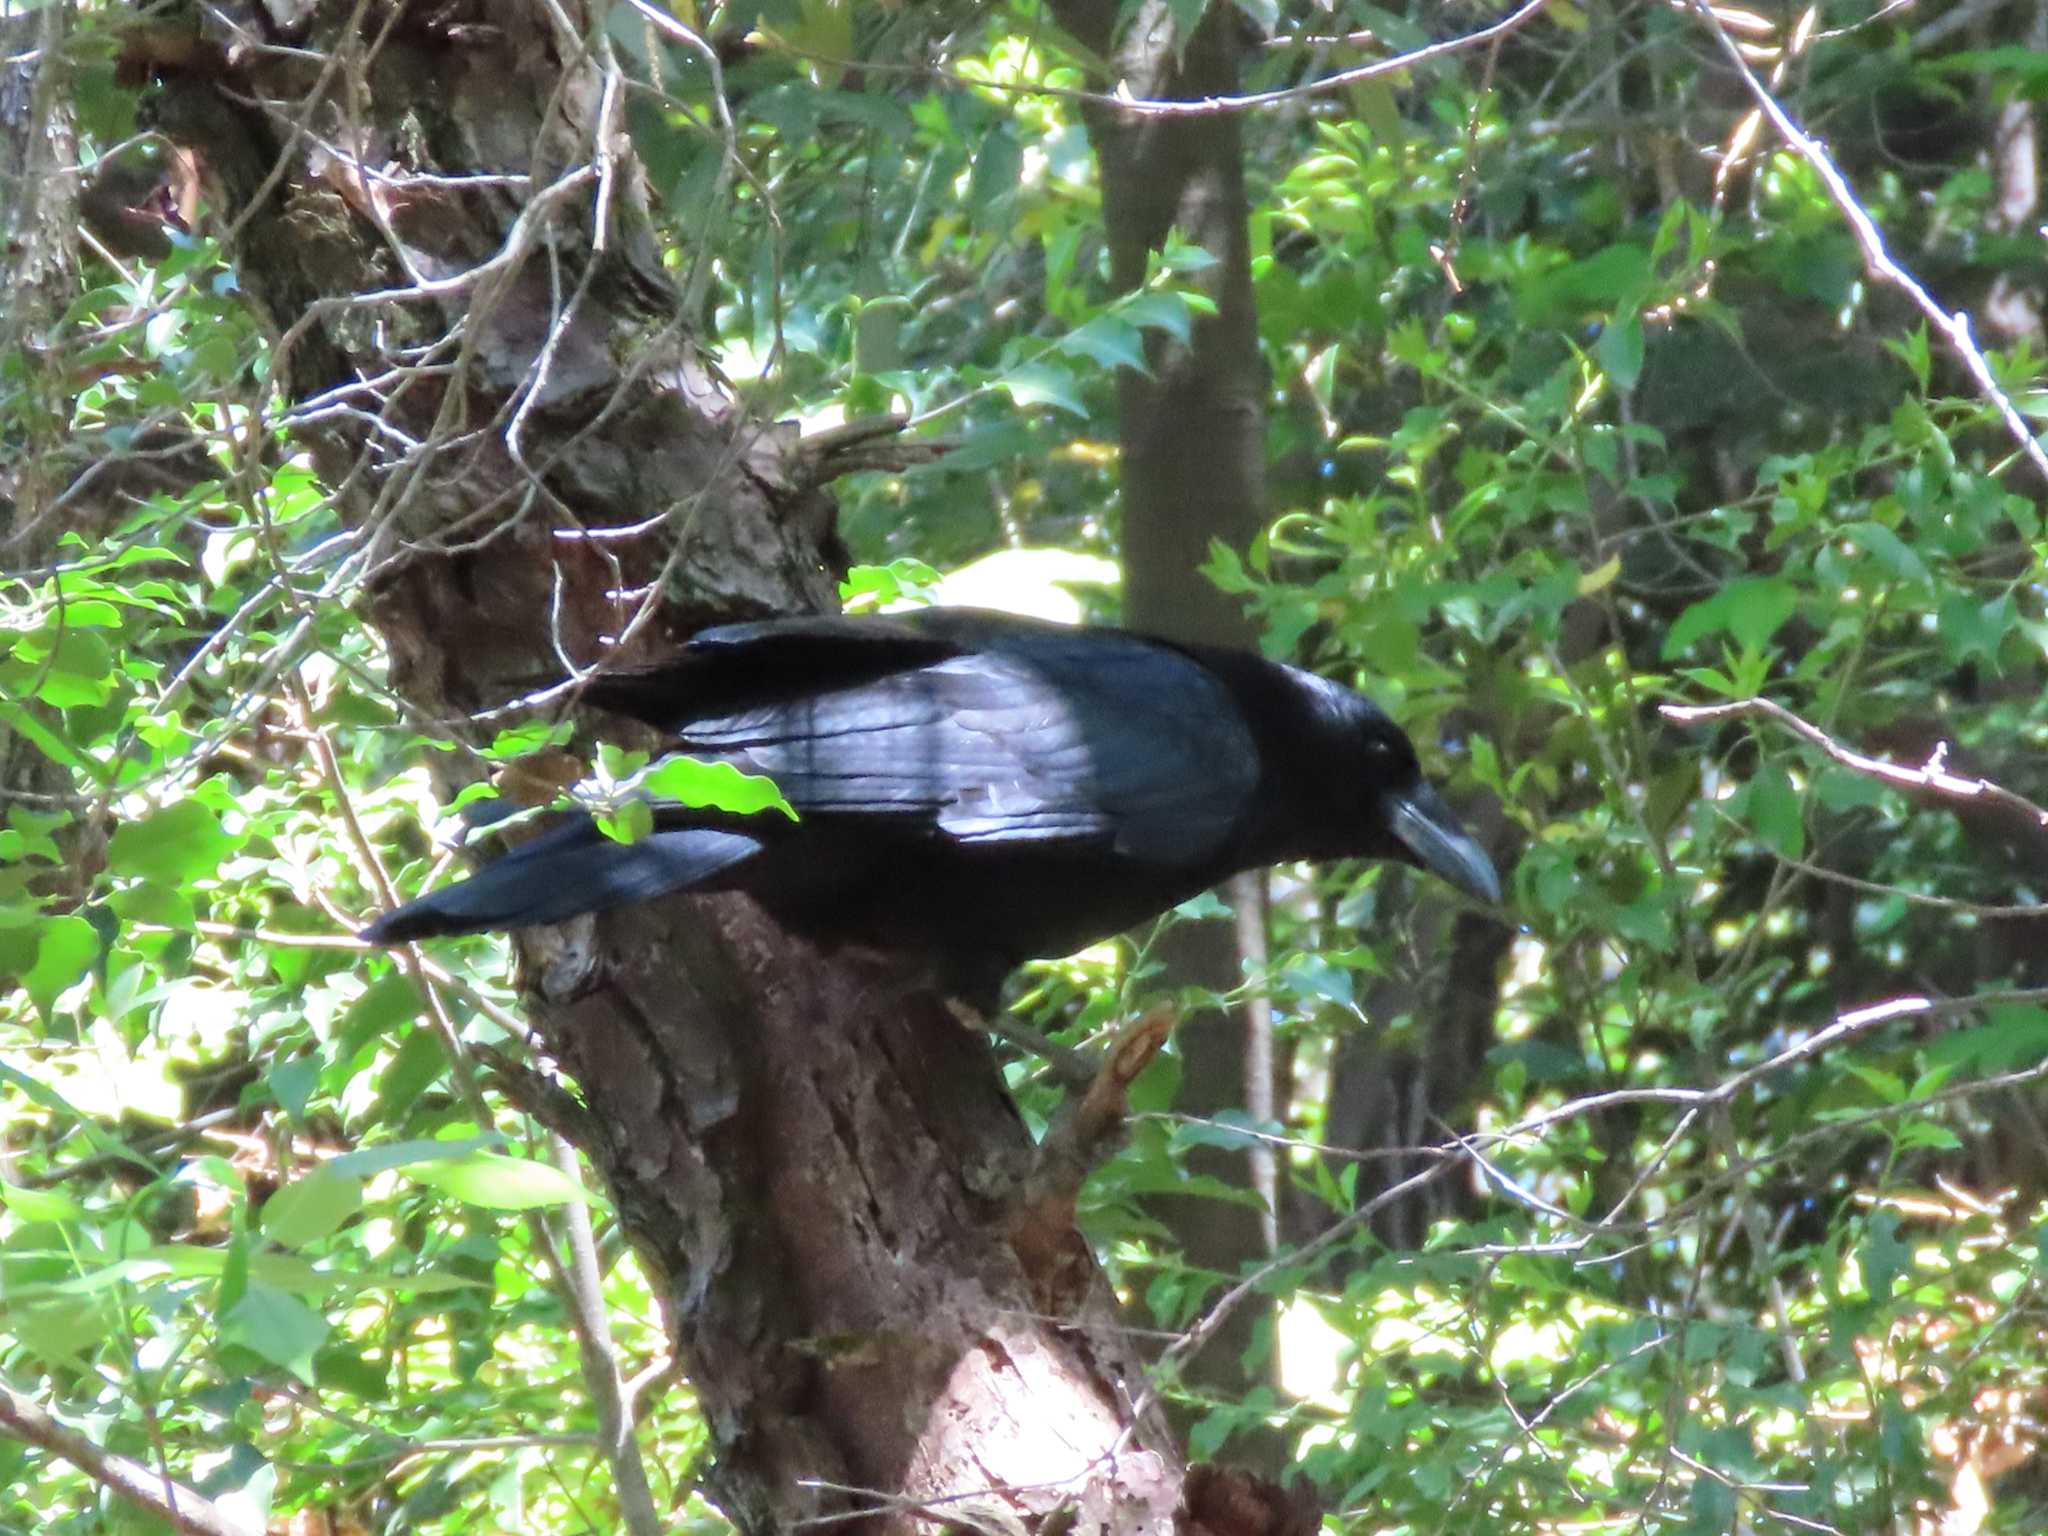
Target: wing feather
[(1059, 737)]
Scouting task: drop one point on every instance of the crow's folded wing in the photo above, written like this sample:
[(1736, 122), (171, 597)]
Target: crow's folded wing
[(568, 870), (741, 666), (1043, 736)]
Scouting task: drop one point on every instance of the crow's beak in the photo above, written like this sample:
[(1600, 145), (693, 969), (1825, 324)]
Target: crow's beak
[(1429, 831)]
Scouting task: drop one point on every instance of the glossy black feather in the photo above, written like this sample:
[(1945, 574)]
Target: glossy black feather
[(980, 787), (565, 872)]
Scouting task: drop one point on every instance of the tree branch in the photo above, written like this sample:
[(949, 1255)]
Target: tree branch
[(1203, 106), (1931, 779), (1041, 1225), (1877, 260), (187, 1512)]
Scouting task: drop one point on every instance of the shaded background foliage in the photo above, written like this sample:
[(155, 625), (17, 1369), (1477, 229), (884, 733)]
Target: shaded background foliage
[(1581, 402)]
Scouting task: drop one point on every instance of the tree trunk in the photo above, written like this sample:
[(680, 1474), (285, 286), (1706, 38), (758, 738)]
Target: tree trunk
[(1193, 472), (879, 1304)]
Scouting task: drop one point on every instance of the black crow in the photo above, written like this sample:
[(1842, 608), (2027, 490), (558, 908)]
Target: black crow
[(979, 788)]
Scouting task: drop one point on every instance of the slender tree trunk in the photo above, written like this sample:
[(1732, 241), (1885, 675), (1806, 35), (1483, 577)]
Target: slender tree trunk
[(1193, 472)]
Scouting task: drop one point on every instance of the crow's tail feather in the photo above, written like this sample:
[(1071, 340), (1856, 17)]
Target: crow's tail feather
[(564, 873)]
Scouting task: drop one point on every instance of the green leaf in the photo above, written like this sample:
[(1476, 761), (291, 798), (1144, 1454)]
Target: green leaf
[(1774, 809), (292, 1082), (1889, 1087), (1843, 789), (1975, 630), (628, 822), (67, 1331), (1670, 794), (49, 743), (231, 1264), (714, 786), (501, 1183), (1884, 1258), (366, 1161), (1184, 257), (532, 736), (41, 1205), (1715, 679), (1611, 280), (1918, 1134), (1712, 1507), (1109, 341), (311, 1207), (1889, 551), (64, 949), (880, 586), (1540, 1061), (387, 1003), (85, 613), (74, 672), (2023, 63), (1225, 567), (278, 1326), (2012, 1035), (1916, 352), (1601, 578), (618, 763), (420, 1061), (1230, 1129), (1159, 309), (1043, 384), (1670, 228), (176, 845), (1619, 350), (1315, 977), (1752, 610)]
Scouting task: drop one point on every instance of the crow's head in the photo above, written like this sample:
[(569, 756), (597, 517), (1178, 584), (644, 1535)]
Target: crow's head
[(1394, 812)]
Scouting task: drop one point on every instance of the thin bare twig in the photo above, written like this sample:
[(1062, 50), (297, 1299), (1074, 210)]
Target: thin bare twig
[(581, 1284), (1877, 259), (1931, 778), (1991, 912), (1205, 106)]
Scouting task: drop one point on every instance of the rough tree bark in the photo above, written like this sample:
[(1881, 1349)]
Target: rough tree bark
[(35, 231), (871, 1275)]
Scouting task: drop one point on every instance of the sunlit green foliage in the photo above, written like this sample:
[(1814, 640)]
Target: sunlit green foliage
[(1662, 442)]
